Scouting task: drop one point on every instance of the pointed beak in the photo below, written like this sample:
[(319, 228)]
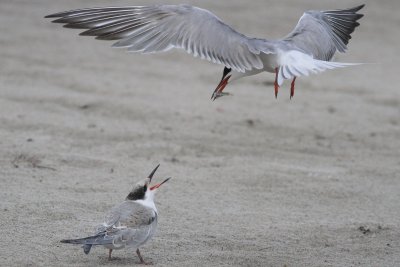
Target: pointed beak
[(221, 86), (153, 172), (158, 185)]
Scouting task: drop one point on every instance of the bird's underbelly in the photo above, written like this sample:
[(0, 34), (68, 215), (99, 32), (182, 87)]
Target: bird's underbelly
[(270, 62)]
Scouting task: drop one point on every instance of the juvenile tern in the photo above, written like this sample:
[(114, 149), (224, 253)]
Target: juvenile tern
[(129, 224), (157, 28)]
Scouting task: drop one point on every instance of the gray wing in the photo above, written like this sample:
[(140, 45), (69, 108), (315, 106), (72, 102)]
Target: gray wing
[(158, 28), (130, 214), (322, 33), (129, 223)]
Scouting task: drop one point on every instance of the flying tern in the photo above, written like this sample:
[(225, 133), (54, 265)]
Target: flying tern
[(308, 49), (129, 224)]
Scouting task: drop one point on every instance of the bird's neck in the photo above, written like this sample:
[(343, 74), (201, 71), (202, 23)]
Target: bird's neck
[(148, 201)]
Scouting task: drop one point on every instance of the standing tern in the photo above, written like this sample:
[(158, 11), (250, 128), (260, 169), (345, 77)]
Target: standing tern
[(157, 28), (131, 223)]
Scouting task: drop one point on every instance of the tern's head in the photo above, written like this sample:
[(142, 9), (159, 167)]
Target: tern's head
[(144, 188)]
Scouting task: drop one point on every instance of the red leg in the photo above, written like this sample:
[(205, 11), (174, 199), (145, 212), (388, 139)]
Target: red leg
[(292, 88), (225, 82), (221, 86), (276, 83)]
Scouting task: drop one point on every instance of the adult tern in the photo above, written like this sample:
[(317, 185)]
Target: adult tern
[(129, 224), (157, 28)]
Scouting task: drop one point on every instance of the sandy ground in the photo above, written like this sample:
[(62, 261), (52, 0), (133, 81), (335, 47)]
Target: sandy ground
[(256, 181)]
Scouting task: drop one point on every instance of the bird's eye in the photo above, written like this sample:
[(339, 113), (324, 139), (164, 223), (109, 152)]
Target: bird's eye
[(145, 188)]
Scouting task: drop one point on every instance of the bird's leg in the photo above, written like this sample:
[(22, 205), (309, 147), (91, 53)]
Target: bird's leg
[(292, 87), (109, 254), (276, 83), (141, 258), (218, 91)]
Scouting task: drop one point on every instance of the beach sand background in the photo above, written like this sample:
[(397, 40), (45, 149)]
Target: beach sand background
[(312, 181)]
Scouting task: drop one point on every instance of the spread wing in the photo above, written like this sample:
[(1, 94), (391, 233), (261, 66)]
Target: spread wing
[(322, 33), (158, 28)]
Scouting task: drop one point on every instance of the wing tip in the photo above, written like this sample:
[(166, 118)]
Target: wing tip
[(52, 16), (71, 26), (348, 10), (357, 8)]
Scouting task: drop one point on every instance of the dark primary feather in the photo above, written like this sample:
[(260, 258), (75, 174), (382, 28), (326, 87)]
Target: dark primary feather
[(322, 33), (343, 23), (83, 11)]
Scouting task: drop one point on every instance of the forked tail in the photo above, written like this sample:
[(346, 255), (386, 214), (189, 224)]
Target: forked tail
[(87, 242)]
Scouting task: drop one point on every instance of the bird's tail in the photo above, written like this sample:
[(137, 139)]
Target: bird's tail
[(87, 248), (87, 242)]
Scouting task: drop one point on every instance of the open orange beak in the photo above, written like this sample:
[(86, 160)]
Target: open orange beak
[(158, 185)]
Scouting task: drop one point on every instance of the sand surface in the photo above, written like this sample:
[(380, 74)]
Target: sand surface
[(256, 181)]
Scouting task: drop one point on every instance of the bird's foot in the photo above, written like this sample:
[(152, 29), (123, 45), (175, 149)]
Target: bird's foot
[(216, 95), (146, 263)]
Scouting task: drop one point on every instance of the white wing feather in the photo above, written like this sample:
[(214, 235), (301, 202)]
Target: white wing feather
[(295, 64)]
